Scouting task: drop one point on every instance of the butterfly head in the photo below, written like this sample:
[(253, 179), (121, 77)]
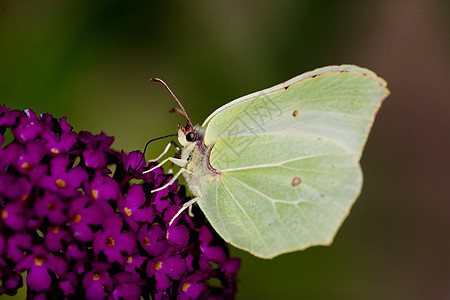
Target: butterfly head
[(190, 134)]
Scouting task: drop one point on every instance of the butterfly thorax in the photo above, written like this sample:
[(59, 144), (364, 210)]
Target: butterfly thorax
[(196, 156)]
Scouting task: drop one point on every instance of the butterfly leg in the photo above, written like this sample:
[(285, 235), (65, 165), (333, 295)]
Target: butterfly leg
[(182, 170), (185, 205), (162, 154), (177, 161), (170, 170), (171, 143), (199, 194)]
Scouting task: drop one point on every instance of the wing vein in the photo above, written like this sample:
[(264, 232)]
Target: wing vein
[(278, 164), (275, 209), (340, 114), (218, 211), (246, 215)]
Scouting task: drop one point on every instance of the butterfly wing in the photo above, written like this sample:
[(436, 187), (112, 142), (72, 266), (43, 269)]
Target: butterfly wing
[(336, 103), (289, 159)]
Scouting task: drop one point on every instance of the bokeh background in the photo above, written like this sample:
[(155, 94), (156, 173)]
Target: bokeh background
[(91, 61)]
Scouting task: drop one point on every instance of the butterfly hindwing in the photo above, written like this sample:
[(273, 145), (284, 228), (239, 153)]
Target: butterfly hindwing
[(284, 203)]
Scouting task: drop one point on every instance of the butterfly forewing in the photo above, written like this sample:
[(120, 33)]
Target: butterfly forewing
[(338, 106)]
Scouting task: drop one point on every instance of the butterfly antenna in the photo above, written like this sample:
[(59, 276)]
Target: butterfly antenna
[(183, 111), (152, 140)]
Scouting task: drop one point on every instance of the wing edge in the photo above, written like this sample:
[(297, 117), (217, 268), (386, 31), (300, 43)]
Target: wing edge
[(296, 79)]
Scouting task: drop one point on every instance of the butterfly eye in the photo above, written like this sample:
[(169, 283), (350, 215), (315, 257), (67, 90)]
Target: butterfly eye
[(190, 137)]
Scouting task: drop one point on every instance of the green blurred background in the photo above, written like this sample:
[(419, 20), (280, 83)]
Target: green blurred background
[(92, 60)]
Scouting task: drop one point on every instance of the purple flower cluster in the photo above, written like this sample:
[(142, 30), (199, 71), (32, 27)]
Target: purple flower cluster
[(79, 218)]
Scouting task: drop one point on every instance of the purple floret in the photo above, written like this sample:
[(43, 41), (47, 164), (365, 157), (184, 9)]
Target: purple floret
[(76, 229)]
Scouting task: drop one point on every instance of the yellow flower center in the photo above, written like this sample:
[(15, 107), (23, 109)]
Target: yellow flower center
[(109, 242), (129, 259), (96, 276), (51, 205), (54, 150), (94, 194), (127, 211), (60, 183), (26, 166), (4, 214), (76, 217), (39, 260), (158, 265), (146, 241), (25, 197), (54, 228), (185, 286)]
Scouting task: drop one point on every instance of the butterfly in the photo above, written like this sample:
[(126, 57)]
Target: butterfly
[(278, 170)]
